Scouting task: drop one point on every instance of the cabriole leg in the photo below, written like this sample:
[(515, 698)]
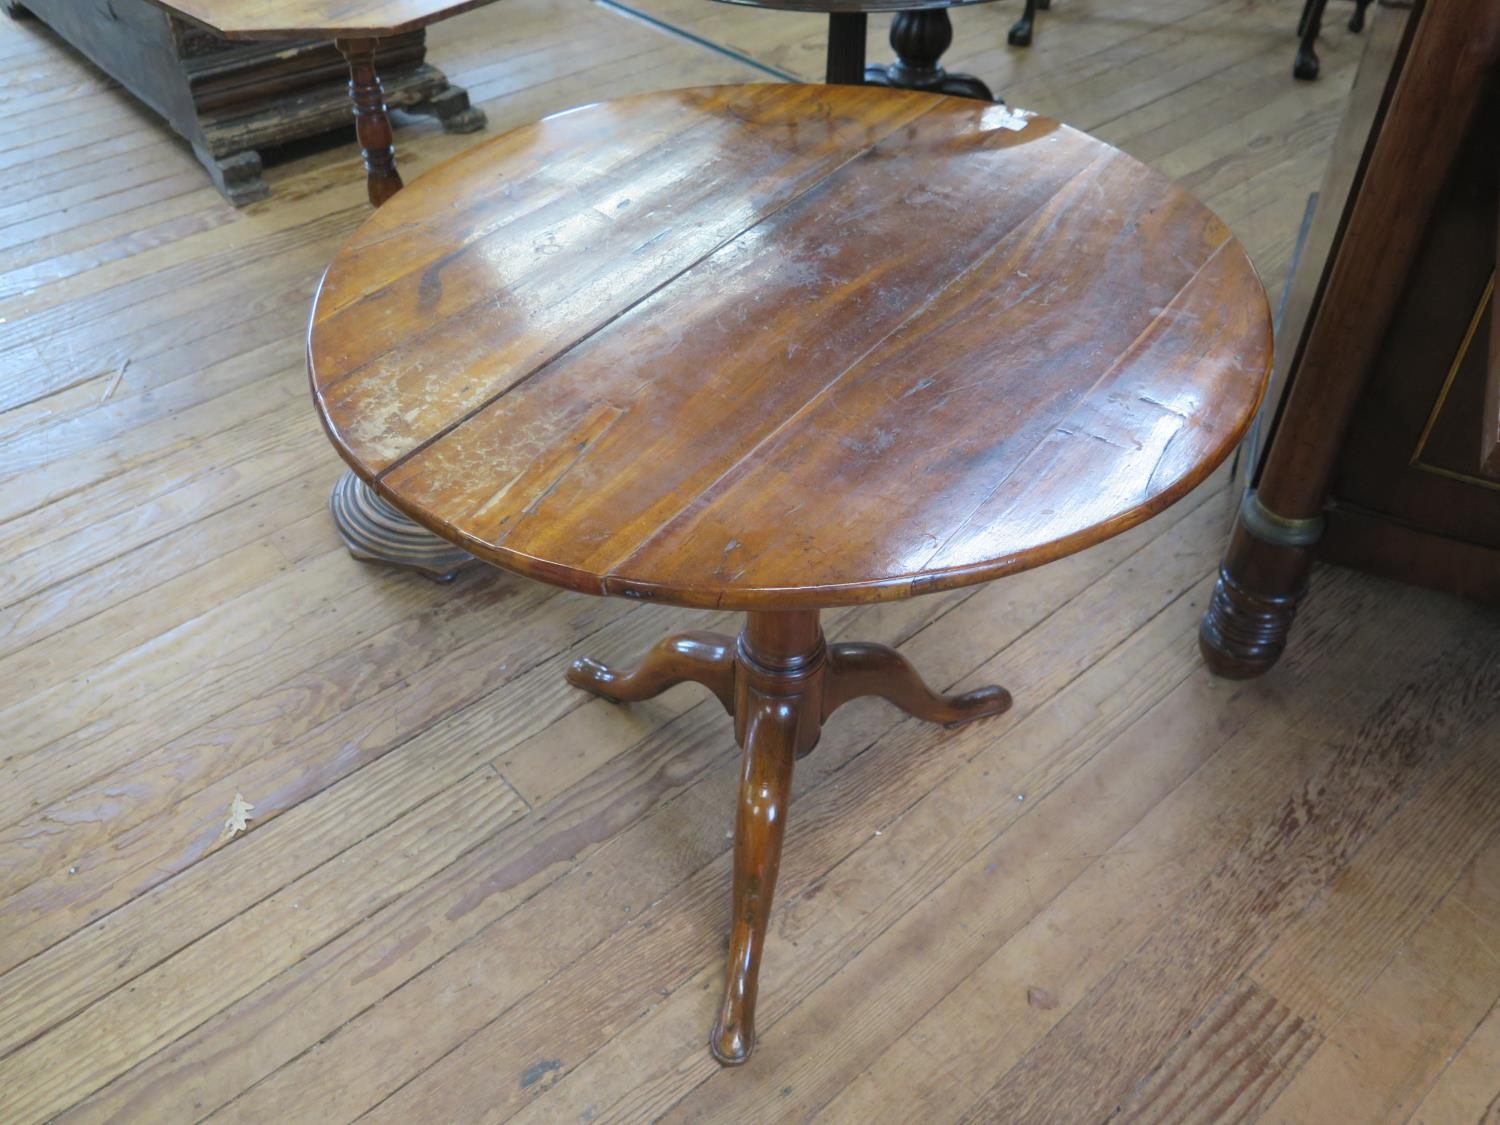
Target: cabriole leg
[(859, 669), (704, 658), (759, 826)]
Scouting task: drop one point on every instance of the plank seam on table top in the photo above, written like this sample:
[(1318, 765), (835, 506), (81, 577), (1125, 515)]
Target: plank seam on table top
[(921, 581), (489, 228), (616, 315), (610, 572), (609, 582)]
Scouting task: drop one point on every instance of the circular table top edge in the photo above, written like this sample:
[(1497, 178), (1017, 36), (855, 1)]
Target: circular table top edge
[(815, 597), (812, 595)]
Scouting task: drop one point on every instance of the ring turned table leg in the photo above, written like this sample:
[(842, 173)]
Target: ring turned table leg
[(372, 530), (780, 680), (372, 121)]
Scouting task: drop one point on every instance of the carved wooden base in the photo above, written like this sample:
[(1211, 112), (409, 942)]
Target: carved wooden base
[(780, 681), (919, 40), (376, 532)]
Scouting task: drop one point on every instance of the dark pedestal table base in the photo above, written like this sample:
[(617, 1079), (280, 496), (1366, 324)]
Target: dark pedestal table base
[(780, 681), (918, 40)]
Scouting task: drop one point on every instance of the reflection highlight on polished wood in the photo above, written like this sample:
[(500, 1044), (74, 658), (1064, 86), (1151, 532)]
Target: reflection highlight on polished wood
[(707, 347), (712, 348)]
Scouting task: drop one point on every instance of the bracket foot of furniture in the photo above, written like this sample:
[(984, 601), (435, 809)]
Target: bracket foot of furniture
[(374, 531), (236, 175), (780, 680), (372, 122), (452, 109), (919, 40)]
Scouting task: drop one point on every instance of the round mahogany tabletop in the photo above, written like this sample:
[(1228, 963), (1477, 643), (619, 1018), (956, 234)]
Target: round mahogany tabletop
[(787, 346)]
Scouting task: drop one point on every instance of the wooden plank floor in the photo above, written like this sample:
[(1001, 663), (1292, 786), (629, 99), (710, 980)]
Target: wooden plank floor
[(467, 893)]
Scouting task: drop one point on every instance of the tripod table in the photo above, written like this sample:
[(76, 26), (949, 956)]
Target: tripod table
[(778, 349)]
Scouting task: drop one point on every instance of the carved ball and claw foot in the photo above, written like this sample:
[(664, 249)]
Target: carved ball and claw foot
[(780, 680)]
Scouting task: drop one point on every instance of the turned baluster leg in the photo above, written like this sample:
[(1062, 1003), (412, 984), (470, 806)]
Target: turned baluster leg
[(372, 122), (919, 40)]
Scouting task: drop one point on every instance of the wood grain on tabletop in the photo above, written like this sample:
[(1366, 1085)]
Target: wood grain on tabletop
[(787, 346)]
